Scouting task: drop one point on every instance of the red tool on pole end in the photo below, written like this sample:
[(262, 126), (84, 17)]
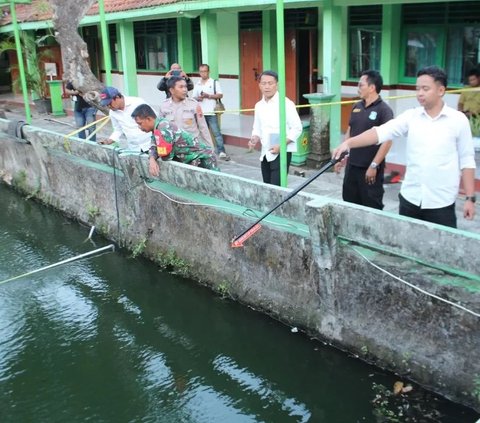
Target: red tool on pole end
[(240, 239), (237, 242)]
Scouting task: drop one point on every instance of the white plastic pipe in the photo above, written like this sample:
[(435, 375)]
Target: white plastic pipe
[(60, 263)]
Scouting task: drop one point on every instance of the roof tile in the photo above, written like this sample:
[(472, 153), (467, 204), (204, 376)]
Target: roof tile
[(40, 10)]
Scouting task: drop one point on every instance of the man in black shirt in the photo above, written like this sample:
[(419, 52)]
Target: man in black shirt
[(175, 70), (83, 112), (363, 181)]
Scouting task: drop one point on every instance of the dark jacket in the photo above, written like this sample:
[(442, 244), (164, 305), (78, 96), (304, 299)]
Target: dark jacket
[(162, 85)]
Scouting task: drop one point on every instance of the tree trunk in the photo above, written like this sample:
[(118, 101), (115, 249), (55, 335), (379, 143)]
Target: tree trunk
[(67, 15)]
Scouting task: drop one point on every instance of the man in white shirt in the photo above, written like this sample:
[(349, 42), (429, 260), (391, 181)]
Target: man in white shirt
[(266, 128), (439, 151), (121, 109), (207, 91)]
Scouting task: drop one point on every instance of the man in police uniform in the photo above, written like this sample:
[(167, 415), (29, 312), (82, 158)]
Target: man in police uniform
[(185, 112), (363, 181)]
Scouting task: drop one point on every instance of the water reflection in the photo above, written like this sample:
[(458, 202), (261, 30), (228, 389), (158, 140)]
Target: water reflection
[(270, 396)]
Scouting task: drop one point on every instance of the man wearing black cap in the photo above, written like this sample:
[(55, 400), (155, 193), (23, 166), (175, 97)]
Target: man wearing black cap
[(121, 109)]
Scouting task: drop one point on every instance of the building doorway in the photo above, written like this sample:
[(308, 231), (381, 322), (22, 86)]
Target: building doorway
[(301, 65), (300, 55), (251, 66)]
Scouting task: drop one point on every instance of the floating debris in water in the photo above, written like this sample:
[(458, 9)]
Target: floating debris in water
[(400, 388)]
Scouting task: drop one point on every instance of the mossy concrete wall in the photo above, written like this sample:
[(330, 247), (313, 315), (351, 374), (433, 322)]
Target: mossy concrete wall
[(328, 267)]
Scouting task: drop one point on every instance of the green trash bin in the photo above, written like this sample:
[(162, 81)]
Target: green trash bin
[(56, 97), (303, 146)]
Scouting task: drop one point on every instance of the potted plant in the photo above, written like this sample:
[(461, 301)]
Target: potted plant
[(35, 75), (36, 80)]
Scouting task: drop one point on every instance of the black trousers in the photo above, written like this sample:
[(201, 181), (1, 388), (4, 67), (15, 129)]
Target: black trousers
[(271, 170), (356, 190), (443, 216)]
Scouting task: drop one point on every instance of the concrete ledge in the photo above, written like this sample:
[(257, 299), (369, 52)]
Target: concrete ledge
[(316, 263)]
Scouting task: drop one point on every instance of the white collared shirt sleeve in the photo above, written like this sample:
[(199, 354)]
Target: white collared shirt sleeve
[(218, 88), (394, 128), (117, 128), (257, 121), (465, 145)]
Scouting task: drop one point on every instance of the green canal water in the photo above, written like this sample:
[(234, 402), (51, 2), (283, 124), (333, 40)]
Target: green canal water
[(113, 339)]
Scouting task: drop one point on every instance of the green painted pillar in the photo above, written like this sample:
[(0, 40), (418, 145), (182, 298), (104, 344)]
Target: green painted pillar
[(282, 91), (209, 38), (332, 64), (391, 21), (185, 47), (55, 87), (129, 63), (31, 57), (269, 40), (21, 68)]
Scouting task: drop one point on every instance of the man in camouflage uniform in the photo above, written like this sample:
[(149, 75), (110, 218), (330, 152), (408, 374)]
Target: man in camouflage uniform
[(171, 143), (185, 112)]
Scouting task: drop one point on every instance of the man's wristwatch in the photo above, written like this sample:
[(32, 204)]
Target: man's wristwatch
[(373, 165), (471, 198)]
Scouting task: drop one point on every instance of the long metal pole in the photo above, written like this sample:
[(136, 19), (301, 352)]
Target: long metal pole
[(107, 58), (255, 227), (21, 67), (60, 263), (282, 91)]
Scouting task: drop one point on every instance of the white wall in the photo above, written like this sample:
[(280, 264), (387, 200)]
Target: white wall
[(147, 89)]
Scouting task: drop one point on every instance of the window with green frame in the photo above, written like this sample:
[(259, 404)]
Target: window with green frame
[(112, 39), (196, 43), (156, 44), (90, 36), (447, 35), (364, 38)]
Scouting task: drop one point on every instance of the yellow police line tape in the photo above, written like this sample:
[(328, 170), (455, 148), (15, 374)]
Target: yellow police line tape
[(105, 119), (336, 103)]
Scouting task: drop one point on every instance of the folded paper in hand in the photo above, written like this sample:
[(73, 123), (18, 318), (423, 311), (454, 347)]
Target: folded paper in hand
[(274, 139)]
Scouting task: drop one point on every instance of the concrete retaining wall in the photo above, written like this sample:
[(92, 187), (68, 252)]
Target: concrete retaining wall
[(317, 264)]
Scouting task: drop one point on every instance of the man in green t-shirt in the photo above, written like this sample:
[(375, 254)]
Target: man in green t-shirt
[(469, 102)]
